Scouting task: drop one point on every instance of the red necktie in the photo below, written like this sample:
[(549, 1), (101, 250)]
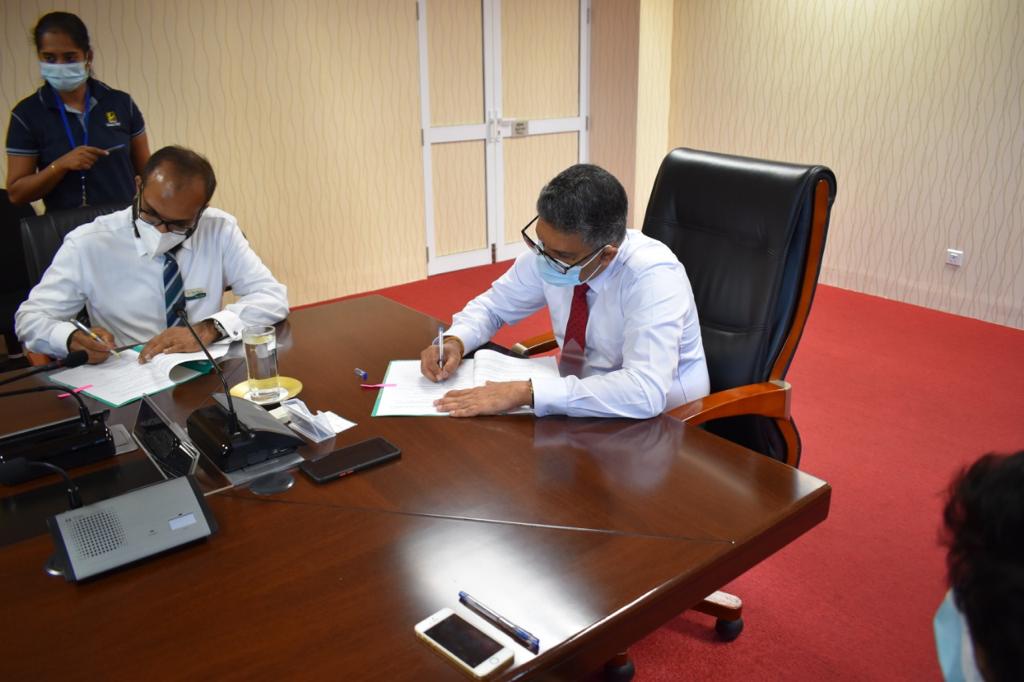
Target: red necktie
[(574, 345)]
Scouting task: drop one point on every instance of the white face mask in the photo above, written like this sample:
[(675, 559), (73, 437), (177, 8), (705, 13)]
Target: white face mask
[(156, 242)]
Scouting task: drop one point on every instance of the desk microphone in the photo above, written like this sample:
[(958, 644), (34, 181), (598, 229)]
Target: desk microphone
[(65, 444), (232, 423), (235, 439), (73, 359)]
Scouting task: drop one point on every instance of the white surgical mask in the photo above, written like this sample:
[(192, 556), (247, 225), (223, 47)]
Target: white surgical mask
[(64, 77), (953, 643), (156, 242)]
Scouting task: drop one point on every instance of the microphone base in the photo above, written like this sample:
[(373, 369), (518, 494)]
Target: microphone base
[(66, 444), (260, 437)]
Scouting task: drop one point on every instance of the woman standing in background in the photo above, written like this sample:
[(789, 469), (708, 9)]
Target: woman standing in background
[(75, 141)]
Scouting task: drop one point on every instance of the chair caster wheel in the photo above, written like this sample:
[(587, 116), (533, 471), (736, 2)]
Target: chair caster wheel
[(619, 673), (728, 630)]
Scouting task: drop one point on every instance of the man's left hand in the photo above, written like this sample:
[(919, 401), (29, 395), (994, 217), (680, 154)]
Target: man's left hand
[(178, 340), (493, 398)]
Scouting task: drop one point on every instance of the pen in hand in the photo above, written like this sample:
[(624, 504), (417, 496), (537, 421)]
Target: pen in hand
[(92, 335), (440, 347)]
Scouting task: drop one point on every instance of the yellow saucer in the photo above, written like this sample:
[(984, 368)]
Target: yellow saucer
[(292, 386)]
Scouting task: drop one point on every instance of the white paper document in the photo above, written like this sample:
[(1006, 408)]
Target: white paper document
[(414, 395), (121, 380)]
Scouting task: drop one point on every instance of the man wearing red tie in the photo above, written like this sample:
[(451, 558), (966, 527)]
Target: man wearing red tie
[(621, 309)]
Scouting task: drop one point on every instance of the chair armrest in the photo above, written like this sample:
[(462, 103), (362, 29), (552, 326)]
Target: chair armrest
[(37, 359), (768, 399), (535, 345)]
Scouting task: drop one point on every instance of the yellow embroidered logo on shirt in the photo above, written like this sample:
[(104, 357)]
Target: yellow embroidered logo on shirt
[(112, 118)]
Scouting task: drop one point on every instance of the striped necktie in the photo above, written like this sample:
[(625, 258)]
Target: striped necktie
[(174, 290)]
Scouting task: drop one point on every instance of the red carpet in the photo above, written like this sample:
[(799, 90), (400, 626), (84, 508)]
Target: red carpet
[(891, 400)]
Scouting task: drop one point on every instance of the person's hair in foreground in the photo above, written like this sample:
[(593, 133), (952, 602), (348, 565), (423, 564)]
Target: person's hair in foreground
[(984, 530)]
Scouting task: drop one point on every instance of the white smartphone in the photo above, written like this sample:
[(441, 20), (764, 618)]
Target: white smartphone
[(473, 651)]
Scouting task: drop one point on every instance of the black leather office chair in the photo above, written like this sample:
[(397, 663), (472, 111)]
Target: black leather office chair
[(751, 235), (42, 235), (14, 284)]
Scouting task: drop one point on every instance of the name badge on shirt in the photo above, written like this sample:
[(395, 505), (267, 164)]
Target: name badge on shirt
[(194, 294)]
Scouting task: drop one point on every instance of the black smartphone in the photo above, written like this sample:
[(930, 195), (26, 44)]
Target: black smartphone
[(350, 459)]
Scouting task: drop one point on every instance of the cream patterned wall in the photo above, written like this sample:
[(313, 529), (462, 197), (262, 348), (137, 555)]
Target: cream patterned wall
[(918, 107), (614, 50), (653, 102), (308, 110)]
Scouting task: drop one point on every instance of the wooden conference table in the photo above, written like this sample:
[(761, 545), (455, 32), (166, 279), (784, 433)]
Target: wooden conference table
[(588, 533)]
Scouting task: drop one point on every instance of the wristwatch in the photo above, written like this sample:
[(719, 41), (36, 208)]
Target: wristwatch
[(221, 332)]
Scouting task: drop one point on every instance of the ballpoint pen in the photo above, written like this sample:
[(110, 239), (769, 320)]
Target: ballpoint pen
[(114, 148), (88, 332), (518, 633), (440, 347)]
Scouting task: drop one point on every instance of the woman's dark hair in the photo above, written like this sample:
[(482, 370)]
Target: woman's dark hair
[(62, 22), (587, 200), (183, 163), (984, 521)]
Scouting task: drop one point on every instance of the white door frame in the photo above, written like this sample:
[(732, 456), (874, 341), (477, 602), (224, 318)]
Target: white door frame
[(492, 132)]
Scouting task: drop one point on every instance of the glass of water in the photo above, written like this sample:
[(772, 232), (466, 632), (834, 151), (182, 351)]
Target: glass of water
[(261, 364)]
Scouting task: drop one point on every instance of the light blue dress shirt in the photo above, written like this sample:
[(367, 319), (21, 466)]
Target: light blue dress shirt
[(644, 352)]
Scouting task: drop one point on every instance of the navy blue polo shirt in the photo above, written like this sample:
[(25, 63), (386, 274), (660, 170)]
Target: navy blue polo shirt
[(36, 130)]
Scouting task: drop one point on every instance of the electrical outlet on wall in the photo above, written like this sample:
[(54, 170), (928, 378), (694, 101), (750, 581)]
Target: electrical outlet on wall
[(954, 257)]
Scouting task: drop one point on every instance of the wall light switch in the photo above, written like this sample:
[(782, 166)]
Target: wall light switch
[(954, 257)]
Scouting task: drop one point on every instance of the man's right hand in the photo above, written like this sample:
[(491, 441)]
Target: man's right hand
[(452, 360), (80, 158), (98, 352)]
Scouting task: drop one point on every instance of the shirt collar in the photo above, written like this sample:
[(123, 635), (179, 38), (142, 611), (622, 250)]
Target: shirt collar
[(599, 282)]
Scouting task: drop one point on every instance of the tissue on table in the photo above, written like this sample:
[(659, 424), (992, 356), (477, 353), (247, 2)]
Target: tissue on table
[(318, 427)]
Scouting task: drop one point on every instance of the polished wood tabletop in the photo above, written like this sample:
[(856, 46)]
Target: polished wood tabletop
[(589, 533)]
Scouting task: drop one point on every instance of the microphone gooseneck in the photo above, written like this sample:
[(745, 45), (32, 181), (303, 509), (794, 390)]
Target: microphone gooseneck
[(21, 464), (73, 359), (232, 416), (83, 411)]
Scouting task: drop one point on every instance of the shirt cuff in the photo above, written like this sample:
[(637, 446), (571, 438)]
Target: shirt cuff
[(58, 340), (232, 323), (550, 396), (470, 342)]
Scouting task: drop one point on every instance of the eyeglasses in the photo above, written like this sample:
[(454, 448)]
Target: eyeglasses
[(150, 216), (554, 262)]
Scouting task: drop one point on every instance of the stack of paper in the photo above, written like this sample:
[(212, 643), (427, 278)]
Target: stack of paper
[(120, 380), (414, 395)]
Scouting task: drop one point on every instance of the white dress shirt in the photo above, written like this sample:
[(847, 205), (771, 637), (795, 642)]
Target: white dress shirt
[(643, 347), (105, 267)]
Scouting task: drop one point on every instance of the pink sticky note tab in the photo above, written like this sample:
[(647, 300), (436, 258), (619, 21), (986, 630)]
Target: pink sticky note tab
[(376, 385), (77, 390)]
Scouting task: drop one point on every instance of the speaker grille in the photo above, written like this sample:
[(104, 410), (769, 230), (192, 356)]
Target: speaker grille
[(97, 534)]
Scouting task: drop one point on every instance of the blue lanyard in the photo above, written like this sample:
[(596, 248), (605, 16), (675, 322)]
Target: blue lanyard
[(67, 129)]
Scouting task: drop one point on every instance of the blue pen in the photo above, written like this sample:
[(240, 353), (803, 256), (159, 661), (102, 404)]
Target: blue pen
[(361, 373), (519, 634)]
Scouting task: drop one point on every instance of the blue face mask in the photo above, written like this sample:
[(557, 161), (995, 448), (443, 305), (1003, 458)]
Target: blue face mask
[(64, 77), (953, 643), (571, 278)]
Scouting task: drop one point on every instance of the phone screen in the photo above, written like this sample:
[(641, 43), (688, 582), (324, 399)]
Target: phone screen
[(463, 641), (351, 458)]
